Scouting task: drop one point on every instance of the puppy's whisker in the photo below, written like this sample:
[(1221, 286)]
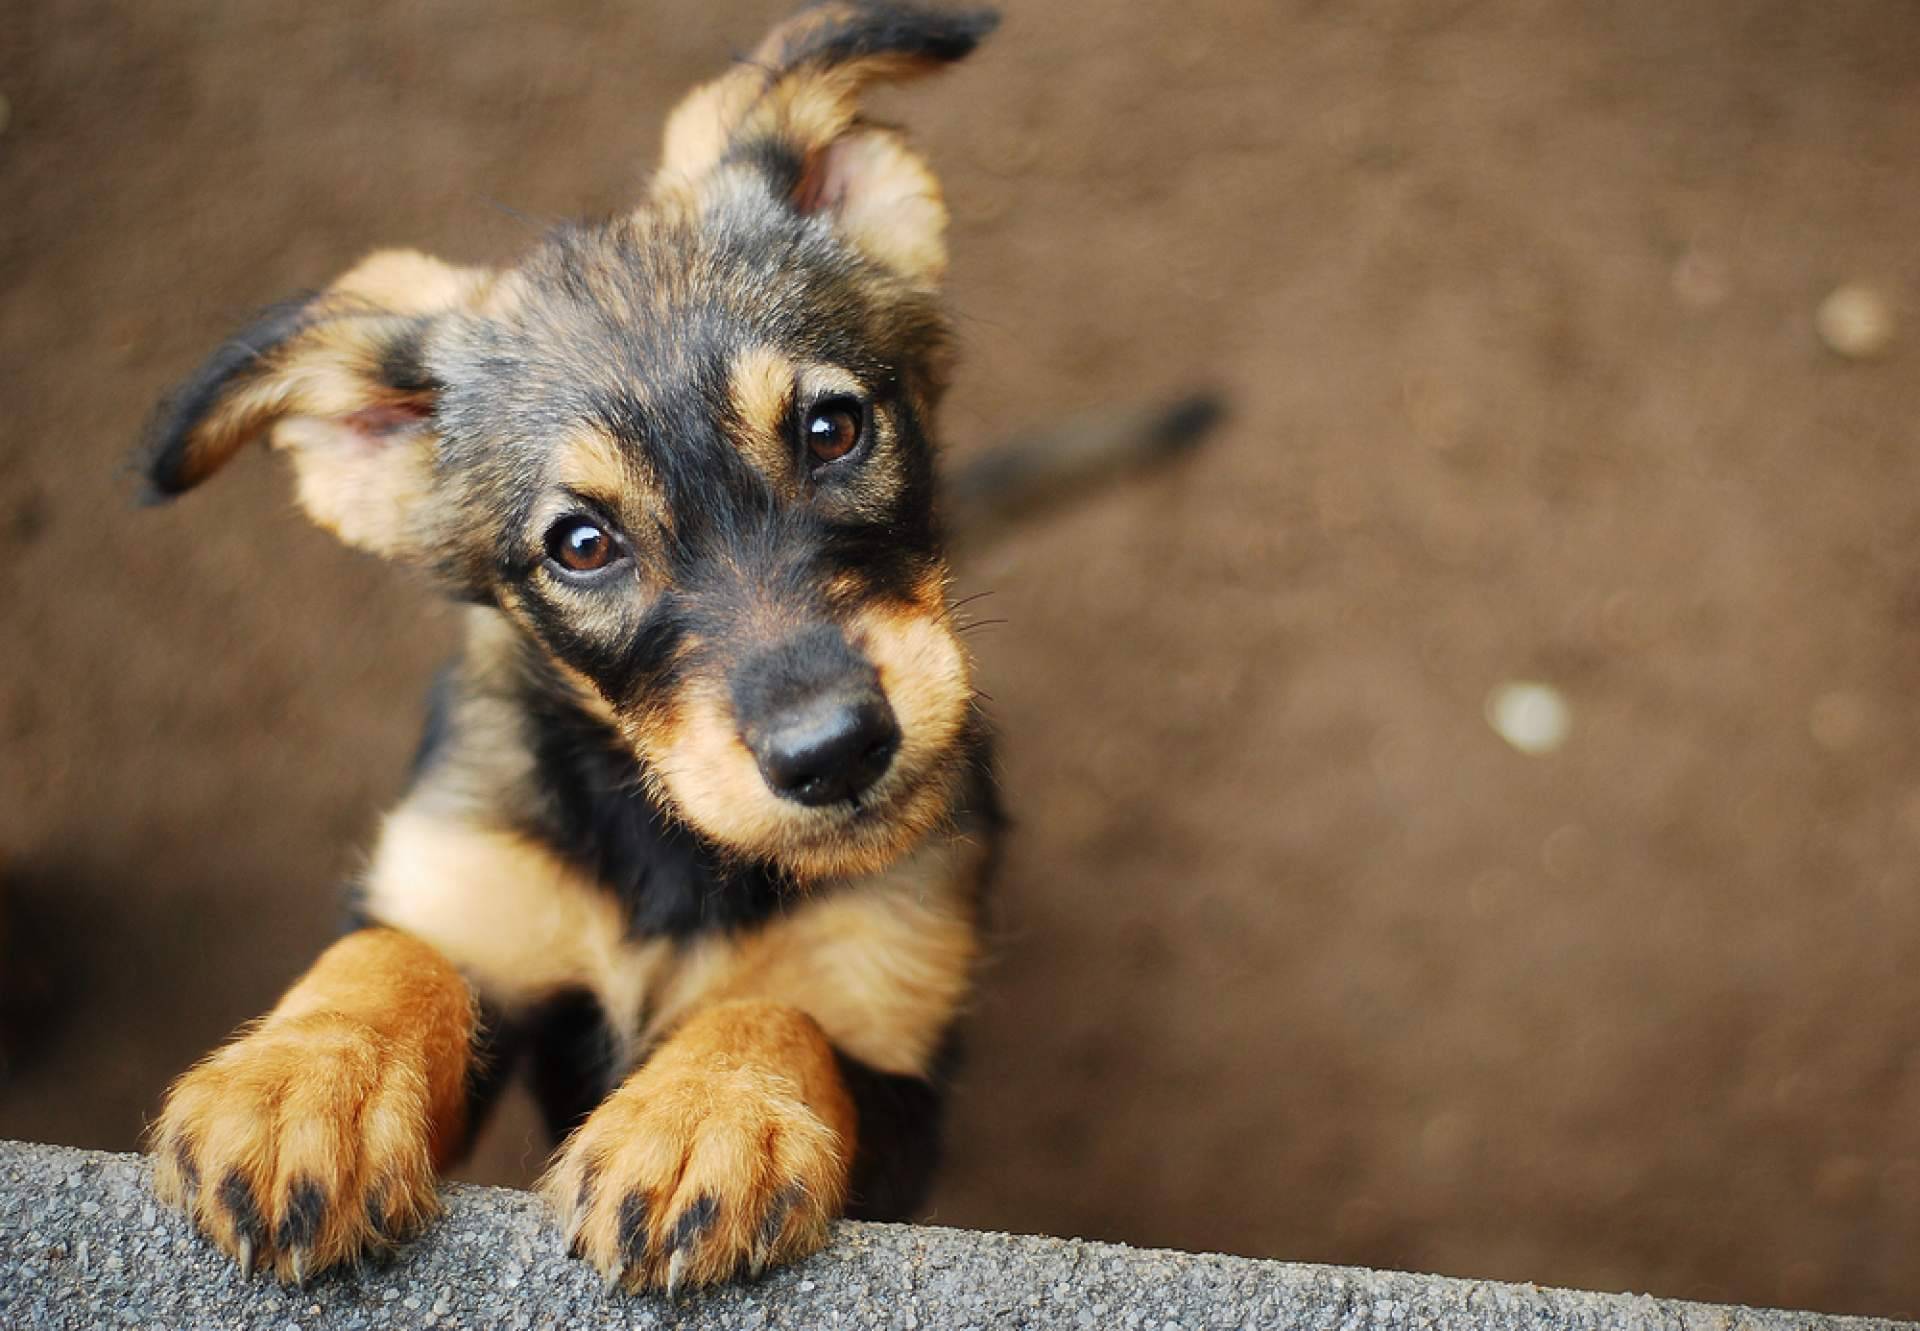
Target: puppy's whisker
[(968, 600)]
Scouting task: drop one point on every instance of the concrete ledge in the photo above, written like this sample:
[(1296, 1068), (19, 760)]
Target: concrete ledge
[(83, 1245)]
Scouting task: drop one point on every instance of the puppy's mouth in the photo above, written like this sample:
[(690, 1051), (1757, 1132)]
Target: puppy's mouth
[(864, 834)]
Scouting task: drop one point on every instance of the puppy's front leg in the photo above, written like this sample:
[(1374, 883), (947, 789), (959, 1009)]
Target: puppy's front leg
[(728, 1150), (313, 1137)]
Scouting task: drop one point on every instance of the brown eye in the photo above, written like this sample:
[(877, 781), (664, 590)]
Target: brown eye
[(581, 545), (832, 429)]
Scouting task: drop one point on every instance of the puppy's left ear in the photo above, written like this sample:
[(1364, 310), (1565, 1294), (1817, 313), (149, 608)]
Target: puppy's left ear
[(790, 115), (339, 382)]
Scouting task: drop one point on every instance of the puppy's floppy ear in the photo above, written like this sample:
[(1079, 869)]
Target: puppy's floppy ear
[(792, 112), (338, 381)]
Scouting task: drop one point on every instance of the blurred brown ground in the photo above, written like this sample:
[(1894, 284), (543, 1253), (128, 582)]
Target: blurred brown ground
[(1296, 956)]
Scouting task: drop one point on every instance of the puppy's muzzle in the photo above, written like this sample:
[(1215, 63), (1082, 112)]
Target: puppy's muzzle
[(813, 715)]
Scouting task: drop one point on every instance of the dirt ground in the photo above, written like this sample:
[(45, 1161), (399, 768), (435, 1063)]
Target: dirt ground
[(1295, 956)]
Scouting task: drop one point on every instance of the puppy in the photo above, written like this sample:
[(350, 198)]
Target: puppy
[(697, 834)]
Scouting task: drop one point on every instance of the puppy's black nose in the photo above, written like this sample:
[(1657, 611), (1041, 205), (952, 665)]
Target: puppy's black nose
[(828, 749)]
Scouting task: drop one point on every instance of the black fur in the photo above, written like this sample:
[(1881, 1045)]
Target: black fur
[(573, 1062), (780, 162), (305, 1212), (900, 1139), (609, 308), (436, 728), (886, 28), (403, 362), (243, 1208), (603, 326), (629, 333), (497, 1044), (593, 810)]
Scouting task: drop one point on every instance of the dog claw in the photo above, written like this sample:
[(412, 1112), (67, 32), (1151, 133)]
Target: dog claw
[(762, 1253), (298, 1260), (676, 1270), (771, 1226), (246, 1258)]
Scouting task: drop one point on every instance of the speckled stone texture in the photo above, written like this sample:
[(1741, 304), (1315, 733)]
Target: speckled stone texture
[(84, 1245)]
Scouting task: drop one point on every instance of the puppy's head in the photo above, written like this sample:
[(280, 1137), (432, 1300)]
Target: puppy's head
[(685, 451)]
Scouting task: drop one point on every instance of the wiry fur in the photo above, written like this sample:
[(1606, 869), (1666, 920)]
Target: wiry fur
[(735, 988), (753, 988)]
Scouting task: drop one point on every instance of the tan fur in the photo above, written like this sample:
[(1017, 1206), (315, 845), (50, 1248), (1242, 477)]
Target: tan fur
[(402, 281), (742, 1111), (883, 196), (494, 757), (591, 464), (607, 617), (844, 589), (368, 492), (328, 371), (741, 1102), (354, 1085), (761, 386), (923, 670), (709, 775), (703, 766), (325, 371), (887, 202), (510, 914), (314, 1136), (883, 965)]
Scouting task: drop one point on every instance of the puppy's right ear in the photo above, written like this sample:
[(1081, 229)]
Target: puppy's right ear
[(340, 382), (792, 113)]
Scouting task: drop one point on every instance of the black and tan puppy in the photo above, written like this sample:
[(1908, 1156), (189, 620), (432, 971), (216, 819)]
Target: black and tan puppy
[(698, 830)]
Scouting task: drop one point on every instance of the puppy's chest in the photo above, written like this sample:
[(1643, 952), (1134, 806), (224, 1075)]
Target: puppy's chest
[(525, 923)]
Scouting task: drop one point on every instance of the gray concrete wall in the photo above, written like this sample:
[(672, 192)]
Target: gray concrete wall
[(83, 1245)]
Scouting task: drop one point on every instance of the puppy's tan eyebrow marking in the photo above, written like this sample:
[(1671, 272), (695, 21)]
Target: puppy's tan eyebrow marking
[(593, 470), (594, 465), (761, 384)]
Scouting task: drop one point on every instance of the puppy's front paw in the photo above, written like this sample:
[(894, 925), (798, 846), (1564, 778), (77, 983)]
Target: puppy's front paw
[(698, 1170), (301, 1145)]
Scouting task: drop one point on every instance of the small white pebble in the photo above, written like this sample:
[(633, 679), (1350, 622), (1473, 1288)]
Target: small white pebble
[(1855, 321), (1532, 717)]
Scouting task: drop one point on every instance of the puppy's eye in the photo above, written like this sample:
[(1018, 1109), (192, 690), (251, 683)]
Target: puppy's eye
[(832, 428), (581, 545)]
